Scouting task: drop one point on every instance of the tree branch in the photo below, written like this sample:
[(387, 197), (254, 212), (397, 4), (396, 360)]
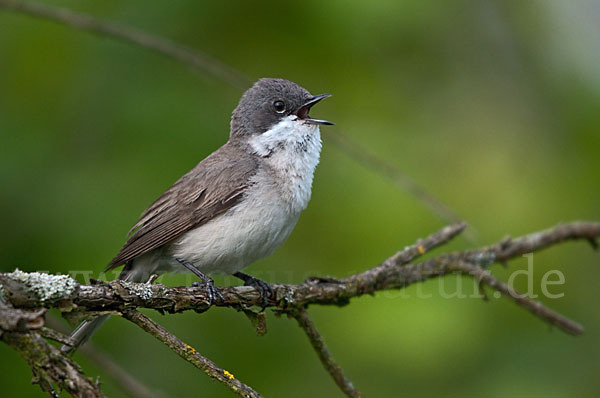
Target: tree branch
[(23, 330), (316, 340), (32, 291), (535, 307), (130, 385), (396, 272), (188, 353)]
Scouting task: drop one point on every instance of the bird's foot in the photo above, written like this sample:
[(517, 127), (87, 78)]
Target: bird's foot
[(213, 293), (263, 288)]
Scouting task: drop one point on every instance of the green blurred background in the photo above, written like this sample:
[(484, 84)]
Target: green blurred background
[(494, 106)]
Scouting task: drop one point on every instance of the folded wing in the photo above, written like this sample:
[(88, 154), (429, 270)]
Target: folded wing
[(216, 184)]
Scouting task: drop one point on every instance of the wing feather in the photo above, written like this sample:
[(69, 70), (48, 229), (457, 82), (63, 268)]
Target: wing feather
[(212, 187)]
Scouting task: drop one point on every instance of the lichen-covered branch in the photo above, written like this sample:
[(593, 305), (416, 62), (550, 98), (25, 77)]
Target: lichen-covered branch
[(53, 372), (49, 367), (24, 289), (33, 291), (396, 272)]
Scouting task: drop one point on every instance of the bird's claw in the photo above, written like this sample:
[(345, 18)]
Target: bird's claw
[(263, 288), (213, 293)]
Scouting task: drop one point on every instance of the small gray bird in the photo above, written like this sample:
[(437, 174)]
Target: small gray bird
[(237, 205)]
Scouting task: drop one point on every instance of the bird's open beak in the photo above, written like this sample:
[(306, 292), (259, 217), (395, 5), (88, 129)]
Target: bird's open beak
[(302, 113)]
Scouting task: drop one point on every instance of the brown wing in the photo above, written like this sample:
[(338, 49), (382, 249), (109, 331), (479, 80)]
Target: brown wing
[(209, 189)]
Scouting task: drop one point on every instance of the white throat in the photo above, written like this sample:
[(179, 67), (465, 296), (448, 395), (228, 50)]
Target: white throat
[(291, 148)]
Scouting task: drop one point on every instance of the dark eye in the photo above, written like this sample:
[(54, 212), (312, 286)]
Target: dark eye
[(279, 106)]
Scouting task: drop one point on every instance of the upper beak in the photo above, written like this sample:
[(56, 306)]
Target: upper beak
[(302, 113)]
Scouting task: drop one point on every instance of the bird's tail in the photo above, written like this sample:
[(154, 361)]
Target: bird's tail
[(83, 332), (86, 329)]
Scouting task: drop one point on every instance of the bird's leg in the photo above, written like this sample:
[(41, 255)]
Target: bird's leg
[(212, 291), (261, 287)]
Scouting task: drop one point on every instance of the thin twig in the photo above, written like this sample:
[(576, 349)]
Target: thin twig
[(316, 340), (204, 62), (422, 246), (535, 307), (190, 354), (128, 383), (183, 54), (366, 158), (511, 248), (51, 334)]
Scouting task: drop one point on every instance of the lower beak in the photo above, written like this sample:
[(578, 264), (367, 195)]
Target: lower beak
[(302, 113)]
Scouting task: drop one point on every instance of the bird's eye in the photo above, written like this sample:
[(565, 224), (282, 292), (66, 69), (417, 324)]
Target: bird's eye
[(279, 106)]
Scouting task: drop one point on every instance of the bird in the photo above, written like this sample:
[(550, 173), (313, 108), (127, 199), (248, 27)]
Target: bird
[(238, 205)]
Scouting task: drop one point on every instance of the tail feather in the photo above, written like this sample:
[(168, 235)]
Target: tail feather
[(83, 332), (86, 329)]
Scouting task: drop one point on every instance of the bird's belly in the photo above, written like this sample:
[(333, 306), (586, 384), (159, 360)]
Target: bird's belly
[(253, 229)]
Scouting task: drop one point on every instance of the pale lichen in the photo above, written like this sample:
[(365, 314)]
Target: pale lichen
[(142, 290), (289, 297), (44, 286), (485, 258)]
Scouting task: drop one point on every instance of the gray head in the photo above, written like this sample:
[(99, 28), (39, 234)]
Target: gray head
[(268, 102)]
